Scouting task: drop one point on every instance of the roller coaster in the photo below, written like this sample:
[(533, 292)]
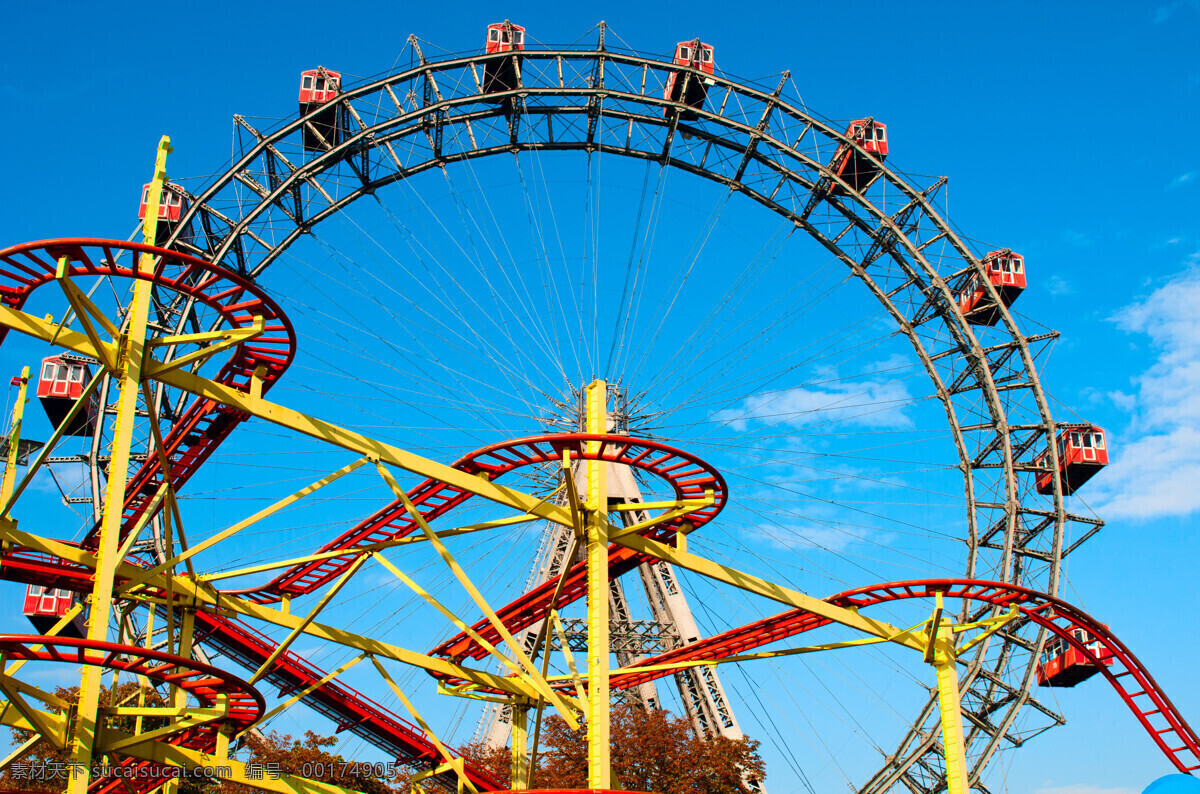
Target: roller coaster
[(193, 342)]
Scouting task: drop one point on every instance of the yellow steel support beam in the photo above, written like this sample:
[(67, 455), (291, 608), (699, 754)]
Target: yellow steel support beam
[(308, 690), (367, 549), (58, 626), (229, 532), (596, 507), (454, 763), (228, 338), (45, 451), (14, 440), (518, 778), (776, 592), (743, 657), (176, 726), (575, 678), (16, 691), (953, 744), (530, 671), (993, 625), (128, 365), (21, 751), (680, 509), (167, 488), (56, 724), (88, 314), (454, 619), (282, 647)]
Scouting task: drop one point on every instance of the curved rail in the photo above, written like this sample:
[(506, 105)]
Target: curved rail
[(348, 708), (236, 301), (688, 476), (762, 163), (753, 141), (210, 686), (1149, 704)]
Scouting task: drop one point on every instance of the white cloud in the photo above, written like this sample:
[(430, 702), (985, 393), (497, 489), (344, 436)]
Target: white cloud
[(1083, 790), (875, 400), (1076, 239), (1183, 179), (1167, 10), (1057, 285), (1157, 462), (809, 537)]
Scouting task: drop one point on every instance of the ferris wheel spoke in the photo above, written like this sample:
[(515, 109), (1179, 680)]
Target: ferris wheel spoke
[(471, 301)]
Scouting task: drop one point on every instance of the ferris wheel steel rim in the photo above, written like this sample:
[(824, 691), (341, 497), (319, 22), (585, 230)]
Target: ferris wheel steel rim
[(888, 240)]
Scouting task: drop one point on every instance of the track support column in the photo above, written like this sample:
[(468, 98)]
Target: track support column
[(128, 372), (519, 776), (596, 506), (14, 440), (953, 743)]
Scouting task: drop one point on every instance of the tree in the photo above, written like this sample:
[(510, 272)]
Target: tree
[(652, 750), (43, 769), (46, 769), (274, 754)]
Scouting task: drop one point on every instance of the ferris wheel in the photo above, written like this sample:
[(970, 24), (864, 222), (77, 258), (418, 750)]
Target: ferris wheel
[(802, 368)]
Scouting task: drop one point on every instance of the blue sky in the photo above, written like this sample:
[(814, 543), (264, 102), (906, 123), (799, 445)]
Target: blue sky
[(1066, 130)]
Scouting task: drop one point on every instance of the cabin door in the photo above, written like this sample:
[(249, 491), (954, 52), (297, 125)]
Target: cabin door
[(61, 385), (1006, 272), (48, 603), (1089, 452)]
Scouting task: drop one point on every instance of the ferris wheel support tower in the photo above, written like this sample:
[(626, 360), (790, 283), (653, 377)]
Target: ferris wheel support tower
[(672, 625)]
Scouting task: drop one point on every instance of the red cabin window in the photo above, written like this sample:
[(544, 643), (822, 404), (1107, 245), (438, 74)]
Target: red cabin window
[(318, 86), (689, 90), (1081, 453), (1006, 271), (1064, 664), (505, 37), (170, 202), (60, 384), (860, 169), (62, 378), (696, 54), (44, 602)]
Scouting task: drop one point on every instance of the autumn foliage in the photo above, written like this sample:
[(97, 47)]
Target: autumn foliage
[(651, 751), (277, 754)]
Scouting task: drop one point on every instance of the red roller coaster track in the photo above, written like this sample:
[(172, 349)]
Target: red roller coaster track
[(196, 434), (210, 686), (191, 440), (688, 476), (205, 424), (1136, 687)]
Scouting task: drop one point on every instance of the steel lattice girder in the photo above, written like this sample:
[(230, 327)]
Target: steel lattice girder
[(773, 144)]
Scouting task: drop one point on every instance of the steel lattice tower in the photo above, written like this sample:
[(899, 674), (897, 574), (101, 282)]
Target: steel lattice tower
[(672, 624)]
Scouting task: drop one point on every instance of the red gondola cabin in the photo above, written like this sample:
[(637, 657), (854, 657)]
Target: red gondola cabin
[(689, 89), (1006, 271), (855, 168), (44, 608), (1081, 453), (172, 204), (322, 129), (60, 385), (1065, 665), (503, 74)]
